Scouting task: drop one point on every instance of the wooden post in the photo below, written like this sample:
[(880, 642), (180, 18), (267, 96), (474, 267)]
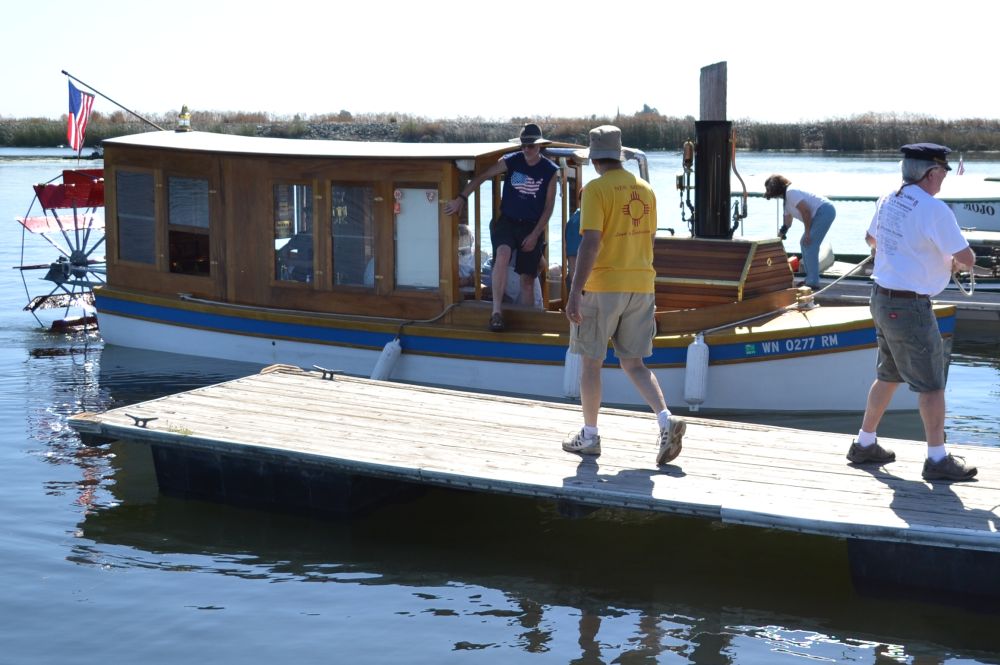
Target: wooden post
[(712, 157), (713, 92)]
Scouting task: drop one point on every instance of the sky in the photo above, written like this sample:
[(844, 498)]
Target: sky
[(445, 59)]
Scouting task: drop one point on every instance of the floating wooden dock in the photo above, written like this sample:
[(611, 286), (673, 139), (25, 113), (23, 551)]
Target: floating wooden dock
[(286, 424)]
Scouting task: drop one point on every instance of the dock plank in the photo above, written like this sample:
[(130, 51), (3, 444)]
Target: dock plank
[(740, 473)]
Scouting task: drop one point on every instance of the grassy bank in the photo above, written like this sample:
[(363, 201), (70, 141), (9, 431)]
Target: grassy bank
[(647, 130)]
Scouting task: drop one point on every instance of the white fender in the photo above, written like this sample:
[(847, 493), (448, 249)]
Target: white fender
[(696, 373), (571, 375), (387, 360), (826, 256)]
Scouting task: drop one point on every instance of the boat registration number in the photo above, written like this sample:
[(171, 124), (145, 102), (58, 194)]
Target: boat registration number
[(792, 345)]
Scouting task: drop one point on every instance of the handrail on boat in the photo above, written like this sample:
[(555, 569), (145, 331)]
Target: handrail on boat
[(630, 153), (187, 297)]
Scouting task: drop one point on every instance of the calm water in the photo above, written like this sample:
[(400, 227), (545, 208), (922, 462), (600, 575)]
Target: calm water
[(100, 568)]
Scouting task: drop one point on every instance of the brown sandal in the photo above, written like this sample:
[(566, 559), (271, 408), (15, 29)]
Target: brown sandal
[(496, 322)]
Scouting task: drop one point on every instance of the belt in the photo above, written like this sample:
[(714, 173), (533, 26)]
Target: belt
[(896, 293), (515, 220)]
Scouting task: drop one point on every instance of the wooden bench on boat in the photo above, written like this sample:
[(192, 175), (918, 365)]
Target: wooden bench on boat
[(702, 283)]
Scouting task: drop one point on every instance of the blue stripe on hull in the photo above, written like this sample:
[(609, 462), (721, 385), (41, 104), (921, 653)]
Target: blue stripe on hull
[(300, 332), (783, 347)]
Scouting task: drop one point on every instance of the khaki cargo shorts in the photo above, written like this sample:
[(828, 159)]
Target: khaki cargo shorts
[(627, 319)]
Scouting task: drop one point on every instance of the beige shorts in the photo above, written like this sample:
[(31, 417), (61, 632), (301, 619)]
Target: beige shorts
[(627, 319)]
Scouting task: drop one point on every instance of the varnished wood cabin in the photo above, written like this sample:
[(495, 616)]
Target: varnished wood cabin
[(358, 228), (296, 224)]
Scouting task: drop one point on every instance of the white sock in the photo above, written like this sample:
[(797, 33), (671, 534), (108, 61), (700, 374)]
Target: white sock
[(662, 418), (589, 432), (936, 453), (865, 439)]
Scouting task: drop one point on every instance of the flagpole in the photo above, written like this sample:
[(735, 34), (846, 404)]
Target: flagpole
[(148, 122)]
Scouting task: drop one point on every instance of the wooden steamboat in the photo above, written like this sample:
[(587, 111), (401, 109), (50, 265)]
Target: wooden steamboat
[(338, 254)]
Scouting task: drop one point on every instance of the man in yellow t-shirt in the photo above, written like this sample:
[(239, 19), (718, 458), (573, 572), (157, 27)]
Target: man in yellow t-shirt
[(612, 295)]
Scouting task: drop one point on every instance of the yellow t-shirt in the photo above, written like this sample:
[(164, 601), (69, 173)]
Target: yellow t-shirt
[(622, 206)]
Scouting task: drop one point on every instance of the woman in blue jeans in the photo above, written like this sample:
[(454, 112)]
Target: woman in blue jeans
[(815, 212)]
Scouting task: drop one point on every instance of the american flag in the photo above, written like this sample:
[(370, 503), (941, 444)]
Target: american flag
[(80, 105), (525, 184)]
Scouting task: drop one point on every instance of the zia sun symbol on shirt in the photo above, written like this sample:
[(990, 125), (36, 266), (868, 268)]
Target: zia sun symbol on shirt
[(636, 208)]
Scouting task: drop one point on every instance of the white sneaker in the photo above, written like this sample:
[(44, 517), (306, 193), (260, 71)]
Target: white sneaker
[(670, 440), (578, 443)]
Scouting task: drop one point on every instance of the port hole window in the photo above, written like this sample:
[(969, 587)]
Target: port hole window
[(416, 235), (136, 216), (293, 233), (352, 226), (188, 225)]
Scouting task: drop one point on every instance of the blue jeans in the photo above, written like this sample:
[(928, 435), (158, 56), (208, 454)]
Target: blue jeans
[(821, 222)]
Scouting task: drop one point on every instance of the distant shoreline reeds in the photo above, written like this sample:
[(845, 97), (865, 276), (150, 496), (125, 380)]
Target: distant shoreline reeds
[(646, 130)]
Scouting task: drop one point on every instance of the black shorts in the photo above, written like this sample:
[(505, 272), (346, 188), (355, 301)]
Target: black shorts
[(511, 232)]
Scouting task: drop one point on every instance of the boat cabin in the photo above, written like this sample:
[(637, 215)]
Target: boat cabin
[(324, 226), (358, 229)]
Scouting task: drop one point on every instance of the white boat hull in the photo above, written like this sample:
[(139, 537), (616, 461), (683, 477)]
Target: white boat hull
[(977, 215), (760, 385)]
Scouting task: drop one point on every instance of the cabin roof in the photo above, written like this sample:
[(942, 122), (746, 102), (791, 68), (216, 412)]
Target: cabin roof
[(257, 145)]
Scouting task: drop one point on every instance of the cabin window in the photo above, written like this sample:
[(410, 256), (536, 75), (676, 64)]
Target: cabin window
[(293, 233), (352, 224), (187, 225), (416, 229), (136, 216)]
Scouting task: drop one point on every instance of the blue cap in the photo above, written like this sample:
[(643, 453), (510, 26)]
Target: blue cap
[(930, 152)]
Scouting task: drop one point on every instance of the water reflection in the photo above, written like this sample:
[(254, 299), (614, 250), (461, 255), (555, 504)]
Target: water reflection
[(513, 574), (68, 373), (133, 375), (488, 573), (62, 373), (971, 396), (984, 350)]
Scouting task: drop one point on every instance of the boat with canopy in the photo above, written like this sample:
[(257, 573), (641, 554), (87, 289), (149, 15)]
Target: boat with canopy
[(338, 254)]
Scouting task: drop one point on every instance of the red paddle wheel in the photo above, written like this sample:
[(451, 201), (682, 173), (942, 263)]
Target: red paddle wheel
[(72, 221)]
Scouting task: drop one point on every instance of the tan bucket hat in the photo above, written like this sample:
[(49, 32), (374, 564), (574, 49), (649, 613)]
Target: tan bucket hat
[(605, 143)]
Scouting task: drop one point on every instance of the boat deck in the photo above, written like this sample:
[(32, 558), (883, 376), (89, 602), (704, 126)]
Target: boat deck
[(730, 472)]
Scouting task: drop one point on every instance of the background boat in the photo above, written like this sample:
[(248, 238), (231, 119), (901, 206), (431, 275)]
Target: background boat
[(975, 199), (975, 295)]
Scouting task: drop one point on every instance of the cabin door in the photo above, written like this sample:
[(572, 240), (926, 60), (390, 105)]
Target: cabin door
[(417, 243)]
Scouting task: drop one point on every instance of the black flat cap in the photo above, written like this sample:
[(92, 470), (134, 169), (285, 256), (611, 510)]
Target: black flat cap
[(931, 152)]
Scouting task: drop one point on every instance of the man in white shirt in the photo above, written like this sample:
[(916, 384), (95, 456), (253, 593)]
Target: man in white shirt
[(918, 245)]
